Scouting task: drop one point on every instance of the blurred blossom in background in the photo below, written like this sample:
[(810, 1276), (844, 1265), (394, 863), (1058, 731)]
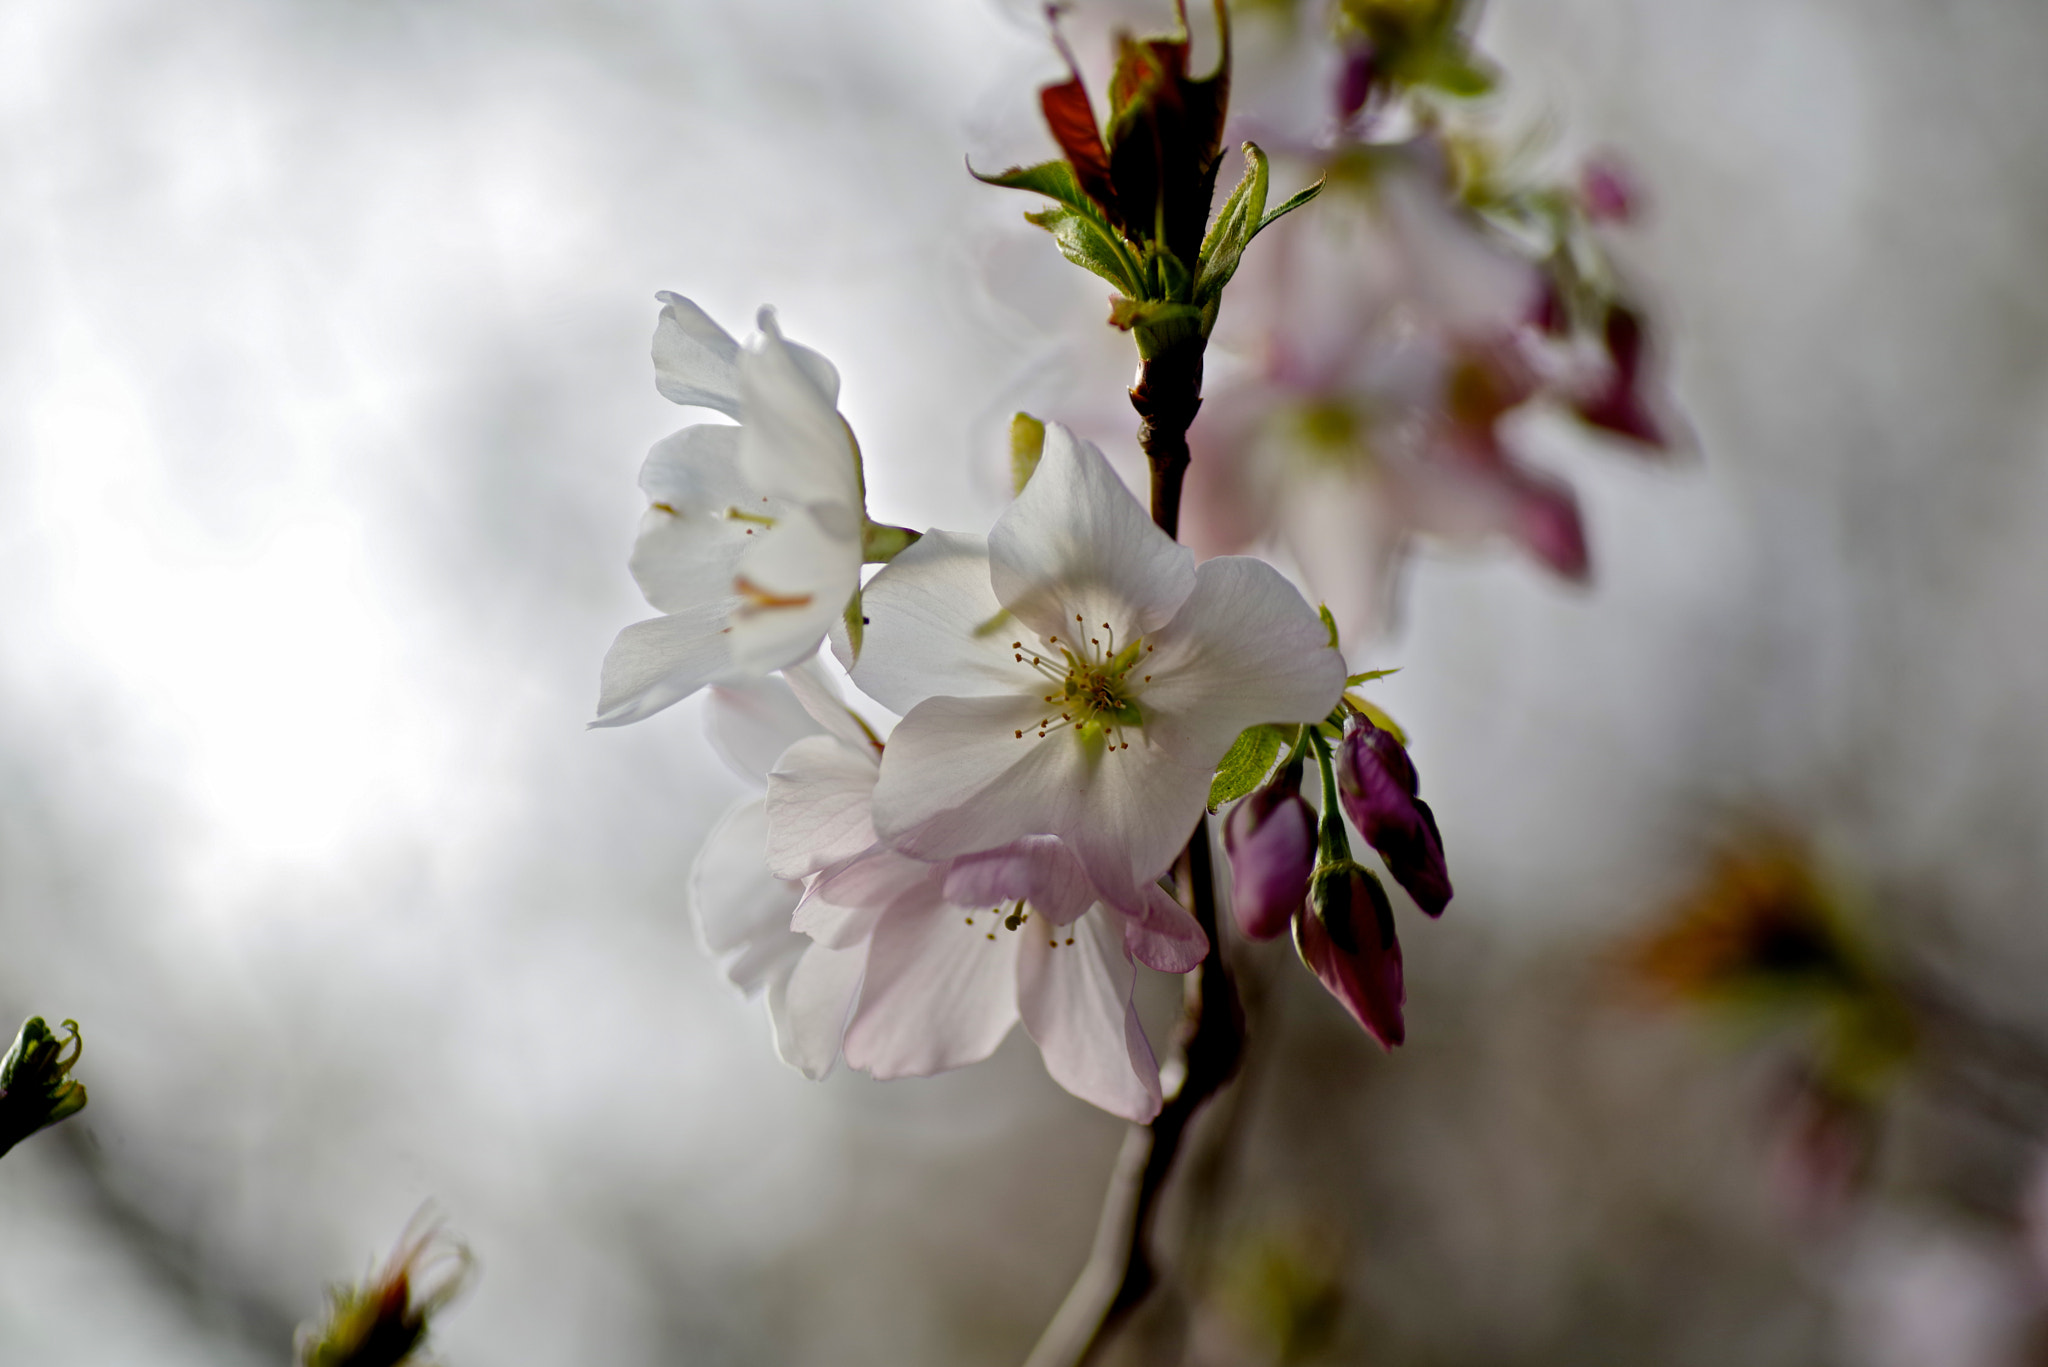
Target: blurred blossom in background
[(325, 380)]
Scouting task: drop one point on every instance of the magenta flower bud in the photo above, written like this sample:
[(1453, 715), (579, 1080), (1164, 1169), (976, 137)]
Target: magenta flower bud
[(1547, 524), (1355, 82), (1617, 404), (1607, 191), (1347, 941), (1377, 783), (1271, 837)]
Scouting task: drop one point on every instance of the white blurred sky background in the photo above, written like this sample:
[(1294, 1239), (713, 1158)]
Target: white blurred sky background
[(323, 385)]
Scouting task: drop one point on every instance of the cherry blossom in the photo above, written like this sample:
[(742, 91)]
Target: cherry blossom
[(752, 542), (1076, 675)]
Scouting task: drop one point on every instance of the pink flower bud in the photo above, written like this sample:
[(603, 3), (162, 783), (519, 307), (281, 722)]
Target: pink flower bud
[(1377, 782), (1347, 941), (1356, 80), (1271, 838), (1607, 191), (1617, 403)]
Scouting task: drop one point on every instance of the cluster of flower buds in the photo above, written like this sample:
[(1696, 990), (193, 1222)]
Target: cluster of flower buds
[(383, 1320), (36, 1086), (1292, 867)]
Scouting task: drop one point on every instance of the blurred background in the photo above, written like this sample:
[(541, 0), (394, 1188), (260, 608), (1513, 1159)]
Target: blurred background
[(323, 386)]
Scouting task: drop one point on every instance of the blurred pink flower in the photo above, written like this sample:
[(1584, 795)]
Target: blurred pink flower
[(1387, 337)]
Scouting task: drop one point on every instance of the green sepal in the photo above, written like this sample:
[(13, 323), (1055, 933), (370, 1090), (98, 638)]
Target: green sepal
[(1090, 243), (1027, 445), (854, 626), (1452, 69), (881, 542), (1329, 622), (1248, 763), (1356, 679), (36, 1087)]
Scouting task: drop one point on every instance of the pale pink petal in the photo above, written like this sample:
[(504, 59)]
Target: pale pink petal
[(818, 799), (1075, 1000), (810, 1005), (845, 901), (743, 911), (1162, 935), (939, 993), (1076, 540), (1245, 649), (793, 582), (752, 721), (934, 628), (695, 360), (661, 661), (1038, 870)]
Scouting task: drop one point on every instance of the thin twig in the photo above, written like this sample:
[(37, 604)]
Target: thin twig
[(1209, 1043)]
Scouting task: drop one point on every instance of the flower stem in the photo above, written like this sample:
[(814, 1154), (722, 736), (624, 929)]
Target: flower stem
[(1209, 1043), (1167, 396)]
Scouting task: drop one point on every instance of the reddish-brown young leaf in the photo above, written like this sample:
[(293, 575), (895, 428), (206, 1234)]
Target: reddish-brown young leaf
[(1072, 121)]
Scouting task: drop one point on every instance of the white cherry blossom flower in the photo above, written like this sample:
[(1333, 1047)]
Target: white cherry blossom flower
[(1076, 675), (751, 546)]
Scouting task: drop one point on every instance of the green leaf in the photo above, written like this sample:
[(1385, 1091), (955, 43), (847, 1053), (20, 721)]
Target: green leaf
[(1243, 218), (1250, 761), (1053, 179), (1027, 444), (1232, 229), (1090, 243), (1292, 202)]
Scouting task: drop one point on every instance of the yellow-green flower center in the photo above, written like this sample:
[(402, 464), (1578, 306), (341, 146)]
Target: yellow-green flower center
[(1095, 685)]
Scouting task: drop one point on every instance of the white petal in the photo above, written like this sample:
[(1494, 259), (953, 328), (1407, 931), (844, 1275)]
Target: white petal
[(752, 721), (1075, 530), (810, 1006), (1348, 542), (1246, 648), (1038, 869), (956, 779), (743, 911), (939, 994), (662, 661), (795, 445), (691, 541), (820, 697), (1076, 1002), (695, 360), (794, 582), (934, 627), (819, 795)]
